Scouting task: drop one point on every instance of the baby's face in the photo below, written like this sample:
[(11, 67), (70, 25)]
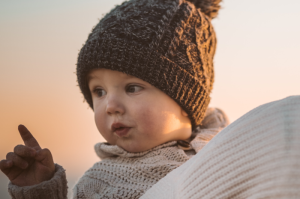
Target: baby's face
[(133, 114)]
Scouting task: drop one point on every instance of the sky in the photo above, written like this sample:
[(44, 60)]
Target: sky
[(257, 61)]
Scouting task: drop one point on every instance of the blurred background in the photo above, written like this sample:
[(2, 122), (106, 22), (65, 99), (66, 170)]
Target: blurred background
[(257, 61)]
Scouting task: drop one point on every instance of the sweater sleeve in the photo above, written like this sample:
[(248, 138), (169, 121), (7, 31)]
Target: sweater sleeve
[(55, 188)]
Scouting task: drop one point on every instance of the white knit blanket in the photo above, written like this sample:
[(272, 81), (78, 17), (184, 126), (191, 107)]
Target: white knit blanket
[(257, 156)]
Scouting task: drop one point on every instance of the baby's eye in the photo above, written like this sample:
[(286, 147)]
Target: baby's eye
[(133, 88), (99, 92)]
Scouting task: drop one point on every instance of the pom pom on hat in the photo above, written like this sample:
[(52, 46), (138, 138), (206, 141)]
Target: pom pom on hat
[(208, 7)]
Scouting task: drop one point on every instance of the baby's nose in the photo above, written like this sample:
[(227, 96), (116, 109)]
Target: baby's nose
[(115, 106)]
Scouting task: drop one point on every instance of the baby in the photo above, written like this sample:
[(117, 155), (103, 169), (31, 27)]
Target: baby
[(146, 70)]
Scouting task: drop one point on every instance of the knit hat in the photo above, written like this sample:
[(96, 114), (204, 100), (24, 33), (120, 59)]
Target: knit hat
[(167, 43)]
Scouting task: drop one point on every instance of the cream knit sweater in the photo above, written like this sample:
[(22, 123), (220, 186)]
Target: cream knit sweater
[(121, 174), (257, 156)]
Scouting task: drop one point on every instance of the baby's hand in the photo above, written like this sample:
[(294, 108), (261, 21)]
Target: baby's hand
[(28, 165)]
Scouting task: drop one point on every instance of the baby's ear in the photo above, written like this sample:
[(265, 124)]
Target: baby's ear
[(184, 113)]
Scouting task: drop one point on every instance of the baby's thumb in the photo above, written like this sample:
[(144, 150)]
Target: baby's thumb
[(45, 157)]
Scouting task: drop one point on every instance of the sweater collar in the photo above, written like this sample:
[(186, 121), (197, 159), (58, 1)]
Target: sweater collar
[(105, 150)]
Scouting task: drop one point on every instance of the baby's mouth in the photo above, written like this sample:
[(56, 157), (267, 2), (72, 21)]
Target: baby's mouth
[(122, 131)]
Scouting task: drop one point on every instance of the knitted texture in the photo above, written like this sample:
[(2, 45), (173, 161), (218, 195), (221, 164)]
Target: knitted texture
[(128, 175), (257, 156), (208, 7), (167, 43), (56, 188)]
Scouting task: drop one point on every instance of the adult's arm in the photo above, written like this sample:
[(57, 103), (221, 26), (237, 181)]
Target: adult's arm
[(257, 156)]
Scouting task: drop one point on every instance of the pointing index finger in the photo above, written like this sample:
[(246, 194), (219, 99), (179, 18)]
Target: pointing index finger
[(27, 137)]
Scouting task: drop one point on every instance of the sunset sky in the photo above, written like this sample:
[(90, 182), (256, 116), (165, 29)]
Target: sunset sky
[(257, 61)]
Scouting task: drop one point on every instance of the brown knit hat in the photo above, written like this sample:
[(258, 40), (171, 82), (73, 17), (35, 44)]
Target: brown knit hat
[(167, 43)]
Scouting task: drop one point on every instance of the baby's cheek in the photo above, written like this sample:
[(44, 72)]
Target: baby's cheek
[(101, 124), (151, 121)]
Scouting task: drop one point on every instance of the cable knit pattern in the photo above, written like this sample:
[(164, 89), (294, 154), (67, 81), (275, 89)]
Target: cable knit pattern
[(257, 156), (209, 7), (128, 175), (167, 43)]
